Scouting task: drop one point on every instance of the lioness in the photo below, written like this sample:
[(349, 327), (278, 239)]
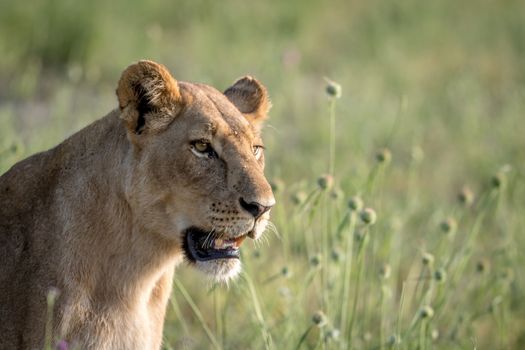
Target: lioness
[(176, 172)]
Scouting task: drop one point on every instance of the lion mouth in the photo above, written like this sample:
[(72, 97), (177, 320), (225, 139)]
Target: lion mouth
[(200, 245)]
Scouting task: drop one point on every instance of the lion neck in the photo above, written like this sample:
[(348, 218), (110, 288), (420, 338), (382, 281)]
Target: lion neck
[(114, 260)]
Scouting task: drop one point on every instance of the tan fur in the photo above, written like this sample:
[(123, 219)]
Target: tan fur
[(100, 217), (251, 98)]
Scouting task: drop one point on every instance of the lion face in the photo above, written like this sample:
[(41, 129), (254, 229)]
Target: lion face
[(196, 170)]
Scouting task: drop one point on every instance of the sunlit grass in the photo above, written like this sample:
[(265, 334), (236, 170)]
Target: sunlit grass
[(422, 124)]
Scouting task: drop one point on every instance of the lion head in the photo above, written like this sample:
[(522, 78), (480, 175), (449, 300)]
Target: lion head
[(195, 171)]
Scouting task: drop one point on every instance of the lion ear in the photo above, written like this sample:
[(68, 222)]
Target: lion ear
[(251, 99), (148, 96)]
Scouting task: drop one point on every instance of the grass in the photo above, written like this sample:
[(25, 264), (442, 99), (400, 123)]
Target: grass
[(427, 132)]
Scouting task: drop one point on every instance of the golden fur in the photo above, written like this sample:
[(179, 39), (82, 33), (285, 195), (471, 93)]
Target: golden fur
[(101, 216)]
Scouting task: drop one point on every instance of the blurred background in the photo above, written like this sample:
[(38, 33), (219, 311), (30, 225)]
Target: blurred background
[(440, 84)]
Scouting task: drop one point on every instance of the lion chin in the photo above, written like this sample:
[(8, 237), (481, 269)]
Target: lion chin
[(220, 270), (216, 254)]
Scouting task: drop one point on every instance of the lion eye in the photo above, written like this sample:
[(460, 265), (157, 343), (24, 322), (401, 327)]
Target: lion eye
[(257, 151), (203, 149), (201, 146)]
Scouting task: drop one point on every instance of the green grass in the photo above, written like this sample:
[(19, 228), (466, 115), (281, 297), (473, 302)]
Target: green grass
[(440, 84)]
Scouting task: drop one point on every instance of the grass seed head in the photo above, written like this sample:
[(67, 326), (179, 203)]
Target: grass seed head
[(16, 148), (298, 197), (333, 89), (285, 272), (355, 203), (449, 225), (426, 312), (498, 180), (483, 265), (277, 185), (384, 156), (507, 274), (315, 260), (367, 336), (336, 193), (466, 196), (427, 259), (319, 319), (385, 271), (368, 216), (336, 255), (332, 334), (393, 340), (440, 275), (325, 182), (434, 334)]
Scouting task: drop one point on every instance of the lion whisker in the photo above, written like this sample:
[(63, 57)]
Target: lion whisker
[(272, 228), (208, 241)]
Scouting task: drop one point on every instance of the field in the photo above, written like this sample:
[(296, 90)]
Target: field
[(428, 134)]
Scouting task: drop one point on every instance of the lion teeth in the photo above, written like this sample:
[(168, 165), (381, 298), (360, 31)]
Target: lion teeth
[(238, 241), (220, 243)]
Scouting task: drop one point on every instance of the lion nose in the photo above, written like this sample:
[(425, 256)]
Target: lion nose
[(254, 208)]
